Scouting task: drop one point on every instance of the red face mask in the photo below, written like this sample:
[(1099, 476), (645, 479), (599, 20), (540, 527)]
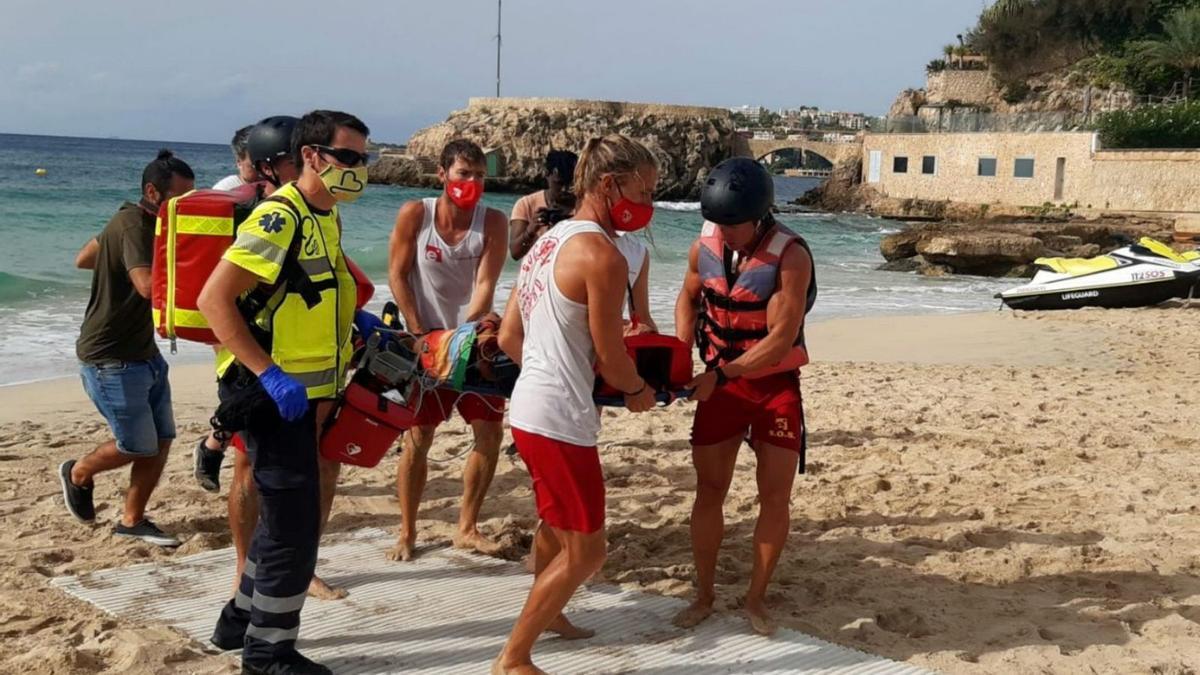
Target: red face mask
[(628, 215), (464, 193)]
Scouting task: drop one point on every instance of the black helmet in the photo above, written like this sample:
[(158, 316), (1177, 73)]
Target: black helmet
[(271, 138), (738, 190)]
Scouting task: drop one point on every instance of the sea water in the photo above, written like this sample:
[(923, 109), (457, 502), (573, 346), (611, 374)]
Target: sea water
[(45, 220)]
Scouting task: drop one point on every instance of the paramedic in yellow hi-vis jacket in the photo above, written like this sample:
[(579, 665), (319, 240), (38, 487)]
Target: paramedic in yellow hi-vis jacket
[(297, 348)]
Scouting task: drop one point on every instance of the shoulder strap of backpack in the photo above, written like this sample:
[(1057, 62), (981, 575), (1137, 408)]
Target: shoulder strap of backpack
[(291, 274), (292, 278)]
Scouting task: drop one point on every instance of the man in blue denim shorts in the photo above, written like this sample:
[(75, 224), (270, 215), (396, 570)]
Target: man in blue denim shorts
[(122, 370)]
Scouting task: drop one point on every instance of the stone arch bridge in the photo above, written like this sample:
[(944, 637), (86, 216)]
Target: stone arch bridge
[(838, 154)]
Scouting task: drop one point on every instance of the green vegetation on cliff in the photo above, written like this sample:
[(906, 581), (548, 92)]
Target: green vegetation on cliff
[(1132, 42), (1169, 126)]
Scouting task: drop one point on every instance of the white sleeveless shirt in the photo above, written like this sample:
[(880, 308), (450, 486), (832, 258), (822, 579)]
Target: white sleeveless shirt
[(635, 253), (553, 395), (443, 277)]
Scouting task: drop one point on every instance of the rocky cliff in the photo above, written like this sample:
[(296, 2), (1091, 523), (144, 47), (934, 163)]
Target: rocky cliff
[(395, 169), (842, 191), (687, 141), (974, 92)]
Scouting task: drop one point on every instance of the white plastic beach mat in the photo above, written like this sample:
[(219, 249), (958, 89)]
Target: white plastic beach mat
[(450, 611)]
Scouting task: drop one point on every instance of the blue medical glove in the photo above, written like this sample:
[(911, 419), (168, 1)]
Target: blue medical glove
[(289, 395), (366, 323)]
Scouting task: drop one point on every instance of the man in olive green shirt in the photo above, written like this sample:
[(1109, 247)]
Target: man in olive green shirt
[(120, 365)]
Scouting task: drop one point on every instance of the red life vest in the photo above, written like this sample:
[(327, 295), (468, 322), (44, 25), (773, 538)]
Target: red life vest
[(733, 310)]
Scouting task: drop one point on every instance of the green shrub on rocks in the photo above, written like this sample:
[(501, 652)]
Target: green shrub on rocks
[(1173, 126), (1016, 91)]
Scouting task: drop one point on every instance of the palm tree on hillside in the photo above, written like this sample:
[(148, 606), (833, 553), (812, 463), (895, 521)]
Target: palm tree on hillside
[(961, 53), (1179, 46), (948, 50)]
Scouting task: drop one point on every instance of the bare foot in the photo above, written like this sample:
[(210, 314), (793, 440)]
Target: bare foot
[(566, 630), (693, 614), (524, 669), (475, 541), (317, 588), (403, 551), (760, 619)]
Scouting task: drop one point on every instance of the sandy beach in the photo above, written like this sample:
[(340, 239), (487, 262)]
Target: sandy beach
[(989, 493)]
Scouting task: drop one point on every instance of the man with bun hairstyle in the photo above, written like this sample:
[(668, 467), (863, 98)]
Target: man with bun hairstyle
[(122, 370)]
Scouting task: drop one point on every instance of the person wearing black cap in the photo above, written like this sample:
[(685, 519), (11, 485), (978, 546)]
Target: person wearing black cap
[(296, 350), (269, 152), (268, 148), (748, 286)]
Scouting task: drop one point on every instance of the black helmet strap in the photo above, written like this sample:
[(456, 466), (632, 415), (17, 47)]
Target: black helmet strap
[(733, 259), (273, 178)]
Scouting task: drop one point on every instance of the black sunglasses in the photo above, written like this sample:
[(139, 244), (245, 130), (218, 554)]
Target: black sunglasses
[(345, 156)]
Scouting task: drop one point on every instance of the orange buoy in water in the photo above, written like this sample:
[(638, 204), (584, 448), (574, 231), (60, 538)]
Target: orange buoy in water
[(40, 172)]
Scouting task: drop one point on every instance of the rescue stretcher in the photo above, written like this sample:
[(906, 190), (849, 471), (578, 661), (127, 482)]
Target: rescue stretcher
[(394, 369)]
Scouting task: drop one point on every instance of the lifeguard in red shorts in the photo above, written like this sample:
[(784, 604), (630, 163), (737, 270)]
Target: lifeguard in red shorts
[(444, 259), (563, 324), (749, 284)]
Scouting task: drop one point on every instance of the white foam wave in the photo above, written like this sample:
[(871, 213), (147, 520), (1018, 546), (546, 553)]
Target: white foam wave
[(687, 207)]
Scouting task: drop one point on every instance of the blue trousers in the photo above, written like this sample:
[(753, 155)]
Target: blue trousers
[(283, 553)]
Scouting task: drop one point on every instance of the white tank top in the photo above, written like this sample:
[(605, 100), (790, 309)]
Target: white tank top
[(635, 253), (443, 277), (553, 396)]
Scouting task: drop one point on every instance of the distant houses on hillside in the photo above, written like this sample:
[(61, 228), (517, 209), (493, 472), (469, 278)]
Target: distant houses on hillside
[(761, 123)]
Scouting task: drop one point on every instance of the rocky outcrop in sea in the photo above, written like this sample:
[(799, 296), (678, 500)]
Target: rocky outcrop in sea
[(1009, 249), (517, 133)]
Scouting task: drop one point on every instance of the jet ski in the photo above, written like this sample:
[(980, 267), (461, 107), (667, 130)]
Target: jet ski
[(1139, 275)]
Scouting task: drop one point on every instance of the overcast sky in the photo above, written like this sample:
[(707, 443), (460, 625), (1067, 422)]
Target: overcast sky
[(195, 71)]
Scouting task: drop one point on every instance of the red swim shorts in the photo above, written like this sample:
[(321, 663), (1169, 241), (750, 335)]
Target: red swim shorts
[(568, 484), (767, 407), (435, 407)]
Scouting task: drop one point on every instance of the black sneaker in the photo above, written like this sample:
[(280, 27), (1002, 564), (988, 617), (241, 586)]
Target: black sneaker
[(294, 664), (147, 532), (78, 499), (207, 466)]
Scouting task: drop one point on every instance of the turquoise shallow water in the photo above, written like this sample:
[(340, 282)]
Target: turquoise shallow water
[(44, 221)]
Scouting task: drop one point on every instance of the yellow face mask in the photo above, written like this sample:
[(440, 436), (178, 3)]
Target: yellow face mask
[(346, 185)]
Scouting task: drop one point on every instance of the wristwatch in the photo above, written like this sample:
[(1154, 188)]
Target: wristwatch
[(721, 377)]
